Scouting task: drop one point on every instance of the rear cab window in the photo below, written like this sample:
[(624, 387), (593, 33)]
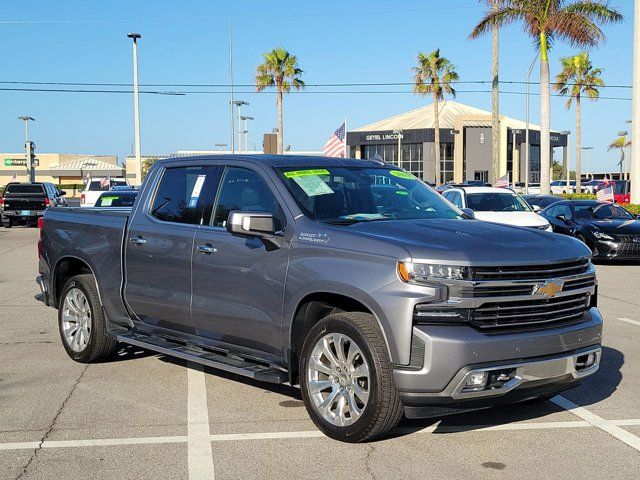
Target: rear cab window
[(26, 189)]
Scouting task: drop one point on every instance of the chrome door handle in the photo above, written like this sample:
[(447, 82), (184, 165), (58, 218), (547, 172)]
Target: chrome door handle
[(138, 240), (206, 249)]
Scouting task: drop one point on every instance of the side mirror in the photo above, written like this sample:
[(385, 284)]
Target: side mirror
[(536, 208), (62, 193), (468, 213), (260, 225), (562, 218)]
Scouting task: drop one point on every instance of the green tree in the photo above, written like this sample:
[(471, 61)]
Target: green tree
[(578, 78), (546, 20), (434, 76), (280, 70), (620, 143)]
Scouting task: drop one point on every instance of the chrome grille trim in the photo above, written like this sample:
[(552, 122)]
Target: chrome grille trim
[(530, 272)]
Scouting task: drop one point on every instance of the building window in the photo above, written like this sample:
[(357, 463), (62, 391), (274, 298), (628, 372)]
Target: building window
[(412, 155), (446, 162)]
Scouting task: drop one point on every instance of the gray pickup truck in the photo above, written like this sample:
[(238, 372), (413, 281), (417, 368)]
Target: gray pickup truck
[(350, 278)]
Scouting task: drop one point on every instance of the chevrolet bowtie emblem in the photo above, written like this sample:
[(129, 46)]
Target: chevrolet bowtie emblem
[(548, 289)]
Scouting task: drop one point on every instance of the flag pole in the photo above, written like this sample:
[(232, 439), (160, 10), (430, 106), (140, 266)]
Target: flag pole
[(346, 155)]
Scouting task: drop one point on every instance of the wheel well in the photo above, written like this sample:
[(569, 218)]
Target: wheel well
[(67, 268), (310, 311)]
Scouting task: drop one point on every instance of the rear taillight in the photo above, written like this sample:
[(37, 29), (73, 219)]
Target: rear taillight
[(47, 202), (40, 228), (83, 199), (1, 201)]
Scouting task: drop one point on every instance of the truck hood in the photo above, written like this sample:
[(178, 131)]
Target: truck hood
[(520, 219), (473, 242)]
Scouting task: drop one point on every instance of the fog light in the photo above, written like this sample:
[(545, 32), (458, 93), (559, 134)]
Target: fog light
[(586, 361), (475, 381)]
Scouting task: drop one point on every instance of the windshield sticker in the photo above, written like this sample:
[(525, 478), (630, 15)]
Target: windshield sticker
[(313, 185), (402, 192), (107, 201), (402, 174), (306, 173), (195, 193), (321, 238)]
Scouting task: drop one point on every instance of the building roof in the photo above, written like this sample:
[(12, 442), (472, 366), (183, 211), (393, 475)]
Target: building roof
[(423, 117), (87, 164)]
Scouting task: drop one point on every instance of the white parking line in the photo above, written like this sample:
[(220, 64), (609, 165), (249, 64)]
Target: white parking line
[(599, 422), (628, 320), (437, 428), (200, 458)]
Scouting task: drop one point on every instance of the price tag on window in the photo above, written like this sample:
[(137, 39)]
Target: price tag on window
[(195, 193)]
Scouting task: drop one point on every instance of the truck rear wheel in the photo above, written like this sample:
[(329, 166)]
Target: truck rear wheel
[(81, 321), (346, 378)]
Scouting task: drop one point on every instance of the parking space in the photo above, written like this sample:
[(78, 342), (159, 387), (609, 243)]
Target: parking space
[(143, 415)]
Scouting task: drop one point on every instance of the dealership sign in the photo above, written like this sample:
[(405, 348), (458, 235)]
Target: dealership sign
[(19, 162)]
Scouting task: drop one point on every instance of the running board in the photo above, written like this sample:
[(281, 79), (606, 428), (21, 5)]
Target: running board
[(228, 363)]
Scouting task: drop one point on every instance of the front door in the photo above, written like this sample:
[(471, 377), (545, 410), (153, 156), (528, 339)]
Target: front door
[(238, 283), (159, 245)]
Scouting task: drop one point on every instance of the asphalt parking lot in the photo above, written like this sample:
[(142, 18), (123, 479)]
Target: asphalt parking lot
[(145, 416)]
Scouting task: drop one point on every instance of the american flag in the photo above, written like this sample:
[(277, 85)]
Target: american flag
[(502, 182), (605, 194), (336, 143), (104, 183)]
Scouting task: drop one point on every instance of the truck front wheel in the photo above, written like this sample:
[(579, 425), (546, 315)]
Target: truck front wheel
[(346, 378), (81, 321)]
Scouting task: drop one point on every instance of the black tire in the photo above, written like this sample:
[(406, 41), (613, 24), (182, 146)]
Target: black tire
[(384, 409), (100, 346)]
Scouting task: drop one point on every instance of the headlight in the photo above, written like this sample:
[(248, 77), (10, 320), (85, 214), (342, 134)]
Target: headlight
[(423, 272), (602, 236)]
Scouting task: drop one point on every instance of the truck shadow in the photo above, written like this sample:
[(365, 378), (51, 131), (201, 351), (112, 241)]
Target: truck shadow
[(594, 389)]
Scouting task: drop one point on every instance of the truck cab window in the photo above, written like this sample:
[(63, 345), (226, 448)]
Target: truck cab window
[(243, 189), (178, 196)]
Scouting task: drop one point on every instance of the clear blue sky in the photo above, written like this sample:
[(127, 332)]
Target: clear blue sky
[(336, 42)]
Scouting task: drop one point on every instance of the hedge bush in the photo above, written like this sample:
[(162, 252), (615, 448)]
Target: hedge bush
[(578, 196)]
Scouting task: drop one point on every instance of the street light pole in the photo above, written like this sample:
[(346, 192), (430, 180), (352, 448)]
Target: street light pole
[(246, 132), (239, 104), (526, 135), (136, 107), (635, 119), (586, 157), (27, 146)]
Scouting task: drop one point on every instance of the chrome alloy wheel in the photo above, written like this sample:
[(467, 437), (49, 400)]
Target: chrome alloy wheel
[(76, 320), (338, 379)]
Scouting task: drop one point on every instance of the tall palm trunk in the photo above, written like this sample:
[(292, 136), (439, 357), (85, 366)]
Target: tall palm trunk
[(495, 111), (578, 146), (280, 134), (545, 108), (436, 128)]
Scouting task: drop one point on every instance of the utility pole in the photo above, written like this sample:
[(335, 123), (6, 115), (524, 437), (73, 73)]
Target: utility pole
[(29, 148), (136, 107), (239, 104), (231, 125), (635, 120), (246, 132)]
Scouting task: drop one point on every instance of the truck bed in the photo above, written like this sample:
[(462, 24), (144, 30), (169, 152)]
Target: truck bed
[(94, 236)]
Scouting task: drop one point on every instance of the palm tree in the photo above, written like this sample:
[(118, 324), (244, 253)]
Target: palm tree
[(545, 20), (578, 77), (279, 69), (620, 143), (434, 75)]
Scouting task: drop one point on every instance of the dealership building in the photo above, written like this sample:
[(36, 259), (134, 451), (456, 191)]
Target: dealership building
[(465, 144)]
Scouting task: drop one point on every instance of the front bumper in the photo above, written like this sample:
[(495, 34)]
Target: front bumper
[(541, 362), (614, 250)]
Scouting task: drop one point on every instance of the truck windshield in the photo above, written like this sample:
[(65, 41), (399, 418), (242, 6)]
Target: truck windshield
[(346, 195)]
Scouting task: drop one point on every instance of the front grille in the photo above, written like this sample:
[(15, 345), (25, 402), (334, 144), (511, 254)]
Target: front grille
[(496, 316), (585, 282), (629, 238), (530, 272), (496, 291), (629, 249)]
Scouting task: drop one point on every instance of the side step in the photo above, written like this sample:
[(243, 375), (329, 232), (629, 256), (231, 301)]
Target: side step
[(228, 363)]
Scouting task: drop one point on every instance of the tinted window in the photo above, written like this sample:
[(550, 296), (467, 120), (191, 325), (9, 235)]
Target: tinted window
[(496, 202), (118, 199), (177, 197), (17, 188), (563, 210), (601, 211), (243, 189), (105, 184)]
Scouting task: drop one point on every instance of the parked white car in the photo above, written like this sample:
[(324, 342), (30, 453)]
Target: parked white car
[(560, 186), (533, 189), (497, 205), (95, 187)]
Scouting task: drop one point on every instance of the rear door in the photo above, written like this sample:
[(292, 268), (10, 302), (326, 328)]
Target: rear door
[(159, 244), (238, 283)]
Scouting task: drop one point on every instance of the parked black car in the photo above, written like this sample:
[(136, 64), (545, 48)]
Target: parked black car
[(25, 202), (542, 201), (608, 229)]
